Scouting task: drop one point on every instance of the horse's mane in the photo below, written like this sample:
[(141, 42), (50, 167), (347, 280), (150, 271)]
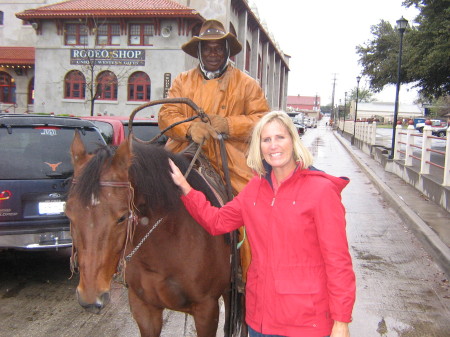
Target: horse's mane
[(149, 175), (88, 182), (151, 179)]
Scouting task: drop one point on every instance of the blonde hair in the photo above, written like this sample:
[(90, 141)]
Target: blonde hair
[(255, 157)]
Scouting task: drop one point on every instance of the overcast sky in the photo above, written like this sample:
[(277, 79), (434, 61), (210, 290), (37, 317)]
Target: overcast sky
[(321, 37)]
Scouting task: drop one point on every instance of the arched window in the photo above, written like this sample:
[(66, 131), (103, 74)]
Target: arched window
[(7, 88), (139, 87), (233, 31), (74, 85), (31, 91), (106, 86)]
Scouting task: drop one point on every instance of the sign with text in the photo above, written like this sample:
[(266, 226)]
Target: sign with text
[(167, 80), (109, 57)]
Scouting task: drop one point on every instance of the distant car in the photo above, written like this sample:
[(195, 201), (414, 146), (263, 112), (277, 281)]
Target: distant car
[(435, 123), (440, 131), (35, 163), (301, 129), (114, 129)]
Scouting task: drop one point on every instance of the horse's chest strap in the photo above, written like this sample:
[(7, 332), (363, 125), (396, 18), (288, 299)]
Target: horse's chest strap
[(129, 256)]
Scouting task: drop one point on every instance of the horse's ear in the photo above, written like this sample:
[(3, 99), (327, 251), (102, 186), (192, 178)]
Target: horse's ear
[(122, 158), (78, 152)]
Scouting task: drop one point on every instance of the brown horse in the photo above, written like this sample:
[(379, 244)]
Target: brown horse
[(179, 266)]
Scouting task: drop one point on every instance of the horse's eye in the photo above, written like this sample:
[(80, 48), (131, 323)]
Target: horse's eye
[(122, 218)]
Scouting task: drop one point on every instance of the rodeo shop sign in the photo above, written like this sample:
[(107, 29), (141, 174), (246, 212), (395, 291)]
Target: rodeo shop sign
[(109, 57)]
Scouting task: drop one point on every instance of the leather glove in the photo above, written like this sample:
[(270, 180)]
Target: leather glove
[(199, 131), (219, 124)]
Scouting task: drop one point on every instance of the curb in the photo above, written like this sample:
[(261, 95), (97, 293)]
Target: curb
[(423, 232)]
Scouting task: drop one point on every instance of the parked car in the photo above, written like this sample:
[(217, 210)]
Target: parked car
[(435, 123), (301, 129), (440, 131), (34, 166), (114, 129)]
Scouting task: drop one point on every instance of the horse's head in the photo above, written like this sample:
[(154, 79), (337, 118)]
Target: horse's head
[(98, 209)]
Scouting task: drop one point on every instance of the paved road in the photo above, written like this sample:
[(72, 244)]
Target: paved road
[(401, 291)]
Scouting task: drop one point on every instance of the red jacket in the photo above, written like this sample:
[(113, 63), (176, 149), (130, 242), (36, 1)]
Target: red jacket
[(301, 277)]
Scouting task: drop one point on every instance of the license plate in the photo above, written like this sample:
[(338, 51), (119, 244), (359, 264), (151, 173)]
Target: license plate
[(51, 207)]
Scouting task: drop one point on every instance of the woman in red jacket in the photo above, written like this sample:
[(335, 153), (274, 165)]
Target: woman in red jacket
[(301, 281)]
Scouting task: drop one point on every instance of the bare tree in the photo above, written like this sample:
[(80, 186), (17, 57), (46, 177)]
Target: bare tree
[(97, 64)]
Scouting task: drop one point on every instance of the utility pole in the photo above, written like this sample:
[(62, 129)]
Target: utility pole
[(332, 100)]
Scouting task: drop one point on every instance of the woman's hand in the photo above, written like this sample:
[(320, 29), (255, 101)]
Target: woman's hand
[(340, 329), (178, 178)]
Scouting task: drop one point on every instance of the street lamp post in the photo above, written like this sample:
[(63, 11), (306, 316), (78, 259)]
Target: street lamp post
[(339, 112), (345, 110), (358, 78), (402, 23)]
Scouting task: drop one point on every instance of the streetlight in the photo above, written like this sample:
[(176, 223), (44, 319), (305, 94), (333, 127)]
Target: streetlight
[(339, 111), (358, 78), (345, 110), (402, 23)]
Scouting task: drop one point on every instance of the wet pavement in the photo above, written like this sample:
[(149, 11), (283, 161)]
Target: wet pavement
[(401, 289)]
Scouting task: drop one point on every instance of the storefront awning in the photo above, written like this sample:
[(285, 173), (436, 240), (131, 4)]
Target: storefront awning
[(17, 57)]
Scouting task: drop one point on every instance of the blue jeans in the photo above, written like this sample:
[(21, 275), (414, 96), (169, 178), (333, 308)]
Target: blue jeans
[(253, 333)]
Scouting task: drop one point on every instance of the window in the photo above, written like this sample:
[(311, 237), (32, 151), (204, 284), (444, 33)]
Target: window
[(1, 18), (7, 88), (259, 68), (74, 85), (248, 53), (31, 91), (233, 31), (140, 34), (76, 34), (139, 87), (106, 86), (108, 34)]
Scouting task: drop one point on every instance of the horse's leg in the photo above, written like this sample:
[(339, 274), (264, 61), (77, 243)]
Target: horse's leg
[(206, 318), (147, 317)]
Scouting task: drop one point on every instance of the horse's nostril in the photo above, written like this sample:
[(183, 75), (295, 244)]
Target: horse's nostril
[(104, 299)]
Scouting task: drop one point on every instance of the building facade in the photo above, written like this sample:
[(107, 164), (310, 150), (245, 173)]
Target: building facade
[(384, 111), (110, 56), (17, 57), (308, 105)]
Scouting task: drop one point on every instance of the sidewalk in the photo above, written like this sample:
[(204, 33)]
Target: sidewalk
[(429, 222), (401, 289)]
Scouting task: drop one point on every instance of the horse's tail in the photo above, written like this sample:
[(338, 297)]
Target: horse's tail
[(238, 327), (236, 322)]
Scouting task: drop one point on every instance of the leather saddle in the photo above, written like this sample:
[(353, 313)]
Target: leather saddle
[(207, 172)]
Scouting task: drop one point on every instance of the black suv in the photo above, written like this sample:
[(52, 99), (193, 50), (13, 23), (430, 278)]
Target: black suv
[(35, 165)]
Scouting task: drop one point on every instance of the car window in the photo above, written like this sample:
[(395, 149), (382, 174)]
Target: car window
[(106, 130), (40, 152), (146, 132)]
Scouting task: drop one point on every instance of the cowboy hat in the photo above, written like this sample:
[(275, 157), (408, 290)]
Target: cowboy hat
[(211, 30)]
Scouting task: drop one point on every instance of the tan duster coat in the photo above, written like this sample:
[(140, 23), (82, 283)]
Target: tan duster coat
[(235, 96)]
